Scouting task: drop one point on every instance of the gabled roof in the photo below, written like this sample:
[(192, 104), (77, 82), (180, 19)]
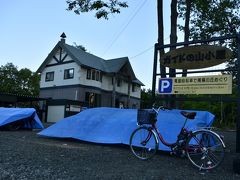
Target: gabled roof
[(114, 65), (86, 59)]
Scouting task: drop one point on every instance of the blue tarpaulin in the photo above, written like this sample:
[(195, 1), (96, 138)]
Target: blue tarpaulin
[(114, 126), (27, 115)]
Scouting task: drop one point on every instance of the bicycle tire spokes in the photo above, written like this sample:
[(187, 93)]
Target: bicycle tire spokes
[(205, 150), (143, 143)]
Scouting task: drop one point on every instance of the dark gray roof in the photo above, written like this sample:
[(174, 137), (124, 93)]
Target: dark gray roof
[(114, 65), (86, 59)]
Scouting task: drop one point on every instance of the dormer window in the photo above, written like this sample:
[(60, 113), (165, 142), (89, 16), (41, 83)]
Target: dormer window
[(49, 76), (69, 73)]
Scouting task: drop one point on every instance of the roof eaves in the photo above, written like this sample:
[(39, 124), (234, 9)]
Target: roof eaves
[(137, 81)]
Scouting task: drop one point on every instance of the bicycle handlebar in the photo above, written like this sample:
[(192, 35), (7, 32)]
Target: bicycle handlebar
[(160, 108)]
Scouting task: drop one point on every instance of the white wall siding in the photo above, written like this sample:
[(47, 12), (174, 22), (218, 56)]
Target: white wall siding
[(68, 58), (52, 61), (137, 92), (59, 75), (107, 83), (88, 82), (123, 88)]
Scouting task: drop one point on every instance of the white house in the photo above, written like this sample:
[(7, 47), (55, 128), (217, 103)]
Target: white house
[(73, 74)]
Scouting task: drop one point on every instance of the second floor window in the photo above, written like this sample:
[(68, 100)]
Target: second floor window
[(133, 87), (88, 73), (119, 82), (94, 75), (49, 76), (69, 73)]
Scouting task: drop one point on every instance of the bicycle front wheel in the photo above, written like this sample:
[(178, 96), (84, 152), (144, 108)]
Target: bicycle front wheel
[(143, 143), (205, 149)]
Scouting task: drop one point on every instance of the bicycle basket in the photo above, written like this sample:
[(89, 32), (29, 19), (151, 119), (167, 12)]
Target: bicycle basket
[(146, 116)]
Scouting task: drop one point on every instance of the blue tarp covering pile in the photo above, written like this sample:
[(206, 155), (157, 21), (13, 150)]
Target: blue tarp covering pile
[(27, 115), (114, 126)]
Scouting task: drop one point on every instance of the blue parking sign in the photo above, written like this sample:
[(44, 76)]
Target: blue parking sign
[(165, 85)]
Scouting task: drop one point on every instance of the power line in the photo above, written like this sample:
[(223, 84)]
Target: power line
[(146, 50), (143, 52), (123, 29)]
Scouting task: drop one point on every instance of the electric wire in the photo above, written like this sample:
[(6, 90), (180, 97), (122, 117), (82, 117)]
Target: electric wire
[(125, 27), (148, 49)]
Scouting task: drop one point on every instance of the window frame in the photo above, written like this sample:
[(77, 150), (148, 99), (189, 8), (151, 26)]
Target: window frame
[(119, 82), (93, 74), (51, 74), (67, 73), (89, 74), (133, 87)]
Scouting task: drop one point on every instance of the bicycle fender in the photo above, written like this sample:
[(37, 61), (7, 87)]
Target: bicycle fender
[(205, 130)]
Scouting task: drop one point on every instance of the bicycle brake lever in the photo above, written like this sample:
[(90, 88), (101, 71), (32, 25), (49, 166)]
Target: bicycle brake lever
[(162, 108)]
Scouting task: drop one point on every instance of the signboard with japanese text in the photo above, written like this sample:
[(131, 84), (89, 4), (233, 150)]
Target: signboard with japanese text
[(196, 57), (217, 84)]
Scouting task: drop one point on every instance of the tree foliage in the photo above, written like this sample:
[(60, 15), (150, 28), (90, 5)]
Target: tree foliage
[(79, 47), (22, 81), (102, 8), (212, 18)]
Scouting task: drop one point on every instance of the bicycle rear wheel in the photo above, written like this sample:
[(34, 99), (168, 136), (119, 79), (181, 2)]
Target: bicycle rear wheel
[(143, 143), (205, 149)]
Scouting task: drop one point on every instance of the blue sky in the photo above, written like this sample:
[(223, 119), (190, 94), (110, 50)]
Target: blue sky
[(30, 29)]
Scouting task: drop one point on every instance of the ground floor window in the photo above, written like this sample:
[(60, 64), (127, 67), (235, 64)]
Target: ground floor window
[(93, 99)]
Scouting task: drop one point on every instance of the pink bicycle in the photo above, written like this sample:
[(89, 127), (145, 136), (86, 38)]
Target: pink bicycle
[(204, 148)]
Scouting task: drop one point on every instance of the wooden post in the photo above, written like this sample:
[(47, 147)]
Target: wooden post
[(114, 91), (238, 101)]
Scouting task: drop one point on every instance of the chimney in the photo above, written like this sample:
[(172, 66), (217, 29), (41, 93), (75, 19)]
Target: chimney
[(63, 36)]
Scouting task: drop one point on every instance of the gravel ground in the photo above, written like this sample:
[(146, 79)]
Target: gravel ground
[(24, 155)]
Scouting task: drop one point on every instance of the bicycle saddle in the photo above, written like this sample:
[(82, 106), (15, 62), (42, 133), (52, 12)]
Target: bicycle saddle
[(189, 115)]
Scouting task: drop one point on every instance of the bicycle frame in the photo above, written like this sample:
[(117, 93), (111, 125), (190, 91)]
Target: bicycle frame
[(161, 137), (154, 127)]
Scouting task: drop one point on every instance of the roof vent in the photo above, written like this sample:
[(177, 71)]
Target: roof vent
[(63, 36)]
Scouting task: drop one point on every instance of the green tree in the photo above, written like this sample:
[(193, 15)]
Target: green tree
[(102, 8), (204, 20), (146, 98), (79, 47), (8, 78), (22, 81), (212, 18)]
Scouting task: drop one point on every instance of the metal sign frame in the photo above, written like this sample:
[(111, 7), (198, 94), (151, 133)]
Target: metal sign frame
[(236, 69)]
